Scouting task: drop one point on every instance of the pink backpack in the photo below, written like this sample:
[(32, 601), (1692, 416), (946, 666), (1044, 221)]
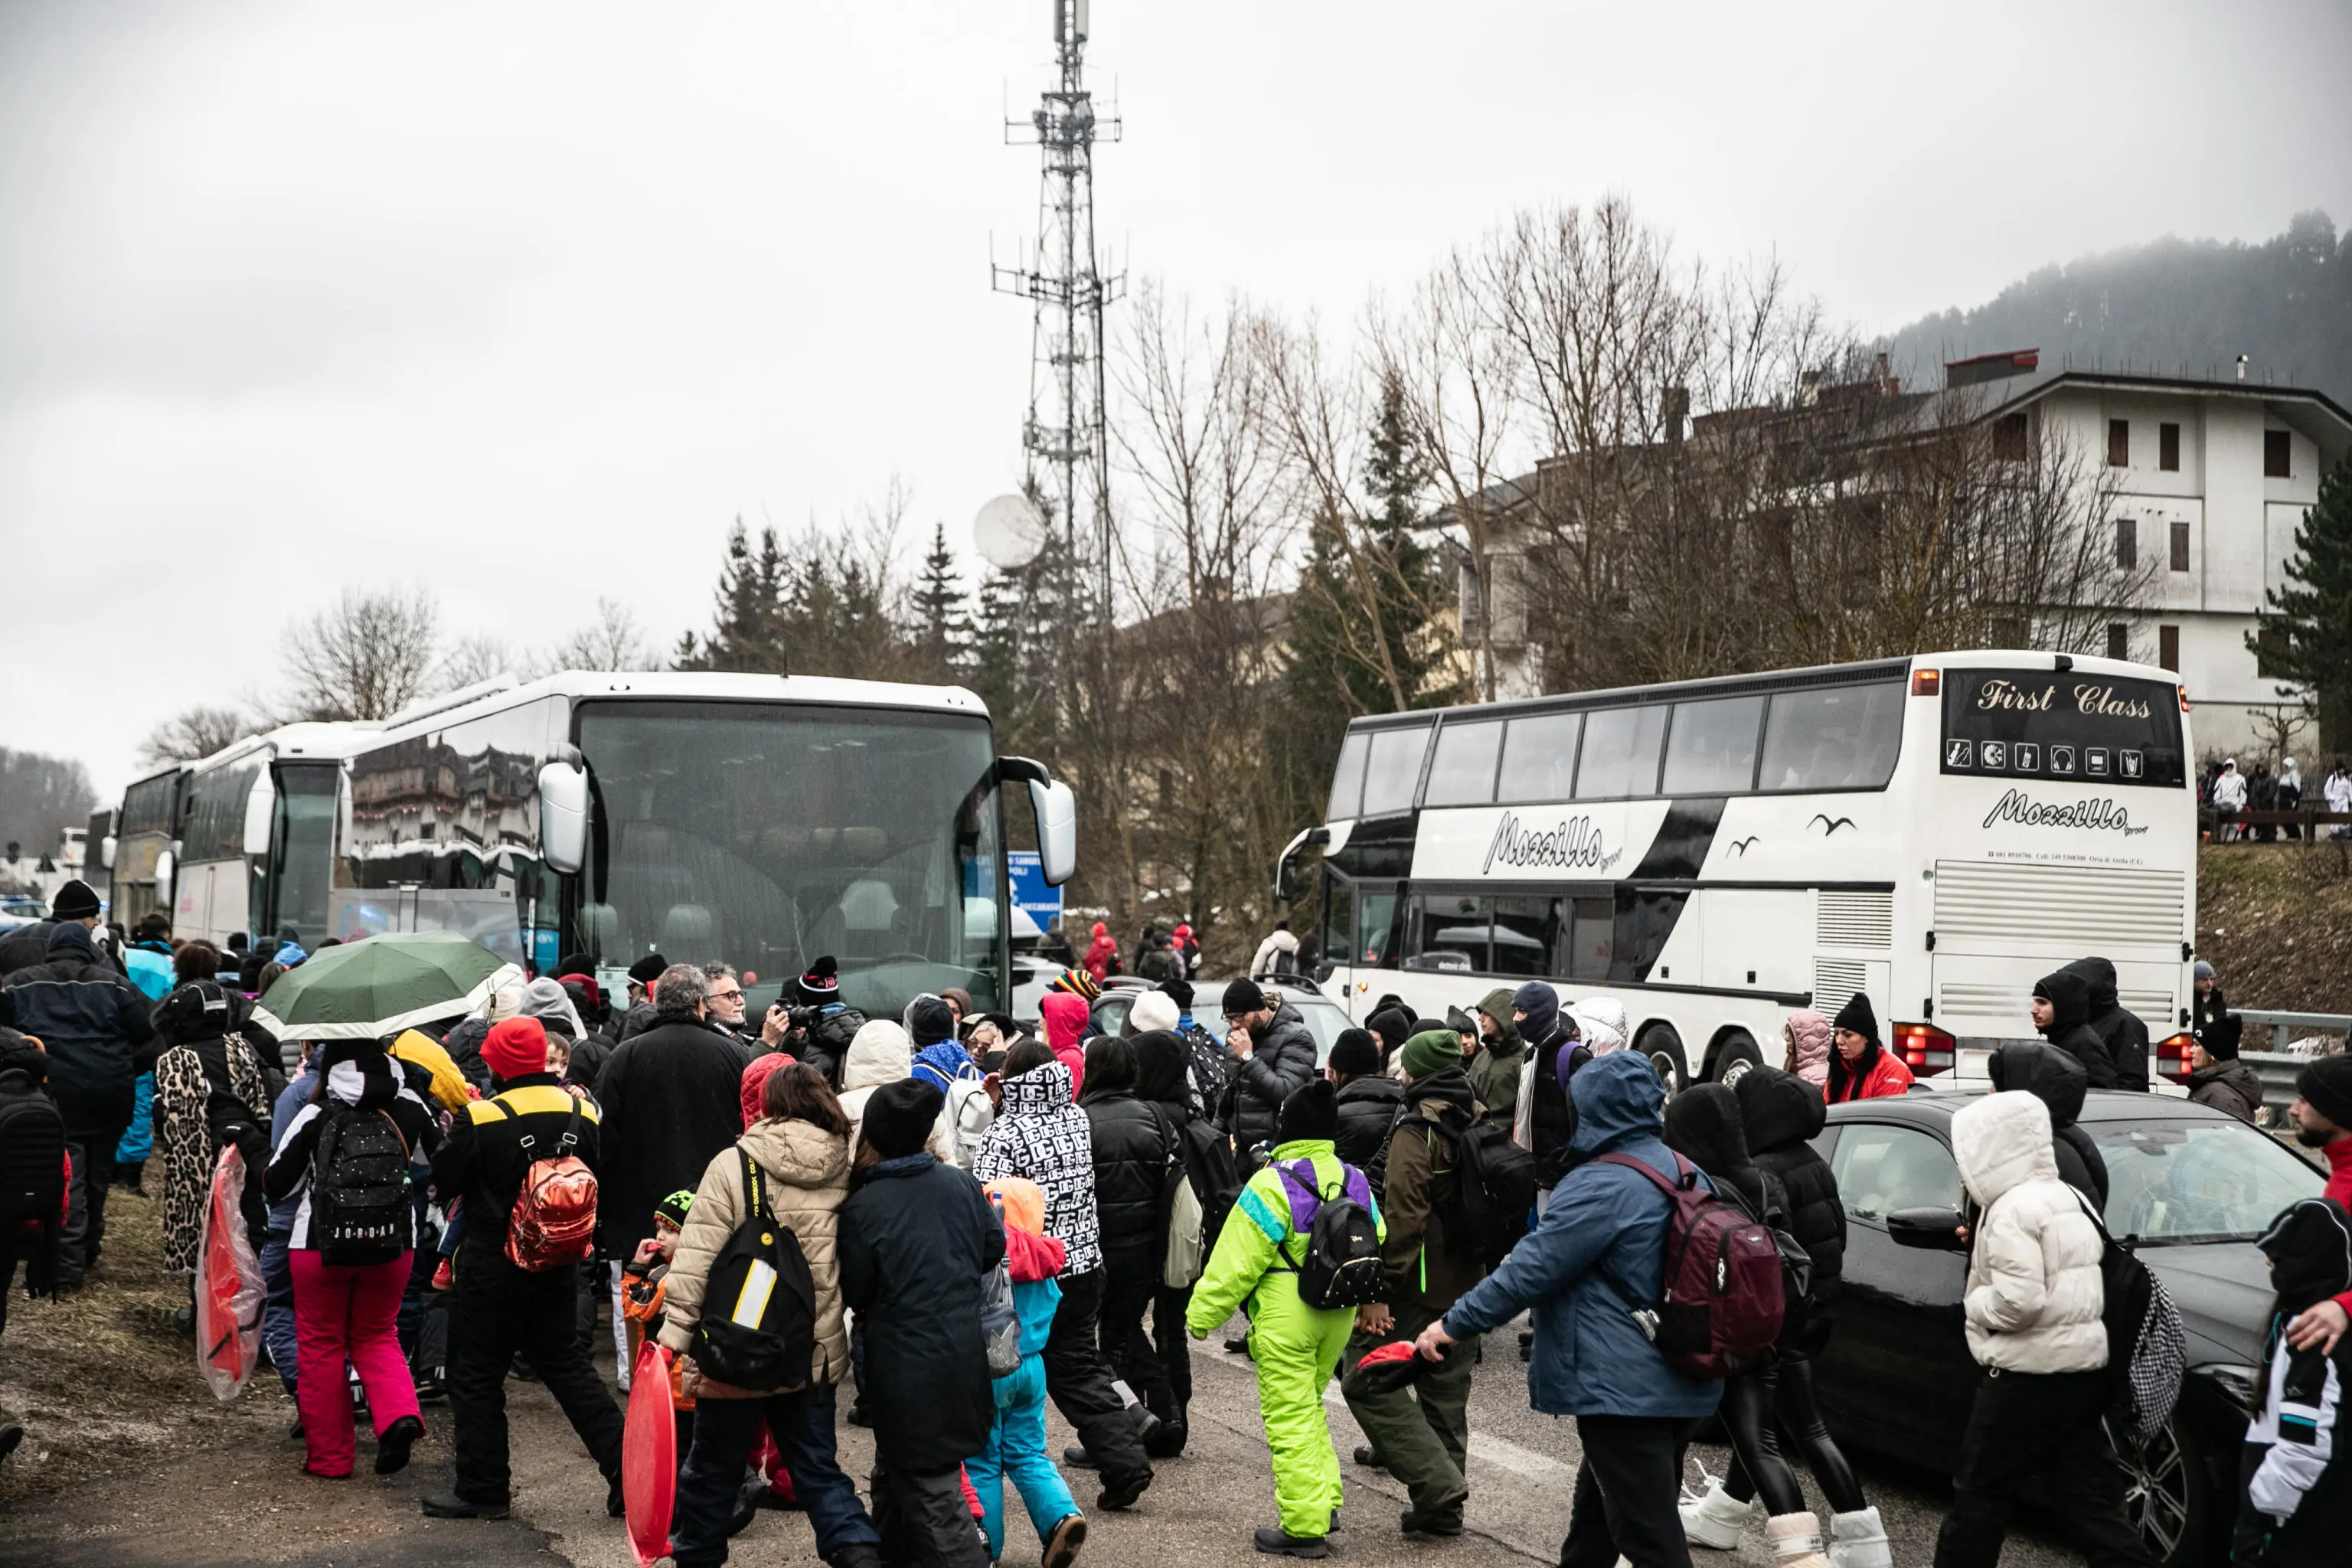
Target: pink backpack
[(1722, 1275)]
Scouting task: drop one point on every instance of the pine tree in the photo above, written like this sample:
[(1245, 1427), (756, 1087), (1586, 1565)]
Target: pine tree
[(998, 647), (943, 632), (2306, 636), (749, 604)]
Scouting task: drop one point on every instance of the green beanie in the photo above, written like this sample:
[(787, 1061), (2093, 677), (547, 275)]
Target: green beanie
[(674, 1207), (1433, 1050)]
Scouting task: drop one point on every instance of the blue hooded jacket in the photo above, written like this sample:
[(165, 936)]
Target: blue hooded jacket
[(1589, 1357), (943, 1064)]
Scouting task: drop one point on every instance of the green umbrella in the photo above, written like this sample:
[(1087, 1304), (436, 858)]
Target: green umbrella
[(379, 986)]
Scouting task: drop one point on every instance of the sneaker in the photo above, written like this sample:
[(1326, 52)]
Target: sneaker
[(856, 1554), (432, 1390), (449, 1505), (857, 1416), (1276, 1542), (1168, 1442), (1369, 1458), (1062, 1541), (1440, 1521), (444, 1276), (1077, 1458), (392, 1448), (1117, 1495), (747, 1502)]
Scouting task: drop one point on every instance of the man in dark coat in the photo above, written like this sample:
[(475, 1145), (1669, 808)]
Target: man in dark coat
[(1368, 1098), (916, 1235), (672, 1100), (642, 1014), (2217, 1078), (94, 1024), (2062, 1012), (2058, 1081), (1135, 1149), (2123, 1033), (1274, 1057), (1551, 1120)]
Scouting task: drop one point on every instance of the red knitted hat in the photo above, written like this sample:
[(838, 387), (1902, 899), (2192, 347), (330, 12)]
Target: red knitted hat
[(516, 1046)]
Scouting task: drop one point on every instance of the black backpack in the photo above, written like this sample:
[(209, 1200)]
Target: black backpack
[(758, 1329), (1493, 1192), (32, 1159), (1342, 1267), (2147, 1345), (360, 1206)]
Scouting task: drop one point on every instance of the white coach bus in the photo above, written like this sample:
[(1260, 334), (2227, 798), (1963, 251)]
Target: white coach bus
[(762, 820), (256, 837), (1937, 832)]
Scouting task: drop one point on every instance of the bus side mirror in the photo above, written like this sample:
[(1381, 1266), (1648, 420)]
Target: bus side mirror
[(1286, 870), (563, 816), (260, 807), (1057, 829), (163, 868), (106, 852)]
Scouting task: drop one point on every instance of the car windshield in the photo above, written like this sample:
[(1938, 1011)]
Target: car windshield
[(2196, 1180), (770, 836)]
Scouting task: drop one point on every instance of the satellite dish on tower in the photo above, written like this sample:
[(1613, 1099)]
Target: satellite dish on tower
[(1009, 533)]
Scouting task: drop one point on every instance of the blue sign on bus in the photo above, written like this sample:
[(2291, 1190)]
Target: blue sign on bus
[(1030, 890)]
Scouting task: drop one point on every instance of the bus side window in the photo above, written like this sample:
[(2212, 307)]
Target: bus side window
[(1646, 919), (1592, 938), (1524, 935), (1376, 923), (1839, 737), (1620, 754)]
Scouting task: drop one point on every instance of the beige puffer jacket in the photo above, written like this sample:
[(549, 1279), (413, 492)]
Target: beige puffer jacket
[(808, 1172), (2034, 1293)]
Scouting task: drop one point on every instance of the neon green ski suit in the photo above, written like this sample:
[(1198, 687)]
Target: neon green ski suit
[(1296, 1347)]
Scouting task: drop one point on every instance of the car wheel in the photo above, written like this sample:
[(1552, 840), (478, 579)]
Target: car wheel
[(1664, 1049), (2169, 1496), (1733, 1058)]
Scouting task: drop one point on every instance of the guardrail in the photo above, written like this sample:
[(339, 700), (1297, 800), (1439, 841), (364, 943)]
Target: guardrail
[(2278, 1068), (2212, 819)]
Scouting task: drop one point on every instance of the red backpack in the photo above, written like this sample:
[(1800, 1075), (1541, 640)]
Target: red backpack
[(553, 1221), (1721, 1311)]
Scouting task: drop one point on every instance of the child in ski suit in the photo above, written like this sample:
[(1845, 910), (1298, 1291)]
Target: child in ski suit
[(2295, 1492), (643, 1279), (1016, 1443), (1296, 1348)]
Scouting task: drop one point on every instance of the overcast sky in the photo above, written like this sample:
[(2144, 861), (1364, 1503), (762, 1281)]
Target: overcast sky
[(527, 302)]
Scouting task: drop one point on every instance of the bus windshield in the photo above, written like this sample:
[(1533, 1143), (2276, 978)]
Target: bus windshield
[(301, 852), (771, 835)]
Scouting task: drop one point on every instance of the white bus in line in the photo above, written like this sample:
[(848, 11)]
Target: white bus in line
[(1937, 832), (256, 842)]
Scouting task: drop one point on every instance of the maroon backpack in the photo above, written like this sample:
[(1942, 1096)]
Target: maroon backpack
[(1722, 1275)]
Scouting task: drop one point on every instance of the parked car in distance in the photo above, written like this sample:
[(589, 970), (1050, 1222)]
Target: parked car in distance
[(2190, 1188), (1324, 1017)]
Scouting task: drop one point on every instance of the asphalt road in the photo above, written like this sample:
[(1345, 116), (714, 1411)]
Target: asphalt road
[(247, 1501)]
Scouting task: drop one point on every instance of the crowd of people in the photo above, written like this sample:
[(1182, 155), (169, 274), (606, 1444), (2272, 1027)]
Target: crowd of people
[(957, 1222), (2227, 788)]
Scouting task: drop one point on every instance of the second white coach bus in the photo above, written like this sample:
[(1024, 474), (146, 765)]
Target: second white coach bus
[(1937, 832)]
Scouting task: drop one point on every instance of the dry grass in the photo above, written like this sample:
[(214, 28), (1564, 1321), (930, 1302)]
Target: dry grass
[(102, 1378), (2275, 921)]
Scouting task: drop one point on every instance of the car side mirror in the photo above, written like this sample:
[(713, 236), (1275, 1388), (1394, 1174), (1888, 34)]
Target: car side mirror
[(1930, 1229), (563, 816)]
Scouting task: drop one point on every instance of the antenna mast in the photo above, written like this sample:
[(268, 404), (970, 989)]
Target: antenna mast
[(1064, 432)]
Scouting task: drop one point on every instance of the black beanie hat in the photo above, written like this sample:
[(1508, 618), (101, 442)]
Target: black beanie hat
[(1244, 997), (1312, 1112), (2310, 1248), (822, 983), (930, 1021), (1354, 1053), (2326, 1084), (648, 969), (899, 1116), (2220, 1041), (1856, 1015), (1181, 991), (74, 901)]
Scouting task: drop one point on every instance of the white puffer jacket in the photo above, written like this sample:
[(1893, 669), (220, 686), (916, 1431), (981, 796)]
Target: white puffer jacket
[(2034, 1291), (881, 1053)]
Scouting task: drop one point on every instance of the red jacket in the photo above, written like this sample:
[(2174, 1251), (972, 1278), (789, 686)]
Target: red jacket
[(2339, 1191), (1099, 958), (1887, 1076), (1064, 1017)]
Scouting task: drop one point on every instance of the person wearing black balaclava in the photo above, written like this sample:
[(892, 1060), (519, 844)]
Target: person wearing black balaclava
[(2062, 1014), (2120, 1032)]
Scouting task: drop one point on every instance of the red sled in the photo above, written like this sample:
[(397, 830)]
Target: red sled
[(649, 1457)]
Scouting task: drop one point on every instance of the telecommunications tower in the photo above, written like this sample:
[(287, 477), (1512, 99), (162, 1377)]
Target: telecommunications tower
[(1068, 454)]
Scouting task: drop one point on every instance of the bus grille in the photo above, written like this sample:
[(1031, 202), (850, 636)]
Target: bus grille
[(1854, 920), (1976, 999), (1835, 982), (2088, 908)]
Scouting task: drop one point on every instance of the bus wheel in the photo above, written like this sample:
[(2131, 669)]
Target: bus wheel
[(1735, 1057), (1664, 1049)]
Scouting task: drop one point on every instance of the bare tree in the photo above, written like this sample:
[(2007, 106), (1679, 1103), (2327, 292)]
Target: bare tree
[(613, 641), (367, 655), (470, 660), (198, 732)]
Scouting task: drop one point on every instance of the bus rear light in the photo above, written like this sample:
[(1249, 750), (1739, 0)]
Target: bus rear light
[(1926, 1050), (2172, 1058), (2184, 699), (1927, 682)]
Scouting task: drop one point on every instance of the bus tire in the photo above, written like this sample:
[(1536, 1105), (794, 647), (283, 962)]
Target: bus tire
[(1734, 1055), (1664, 1048)]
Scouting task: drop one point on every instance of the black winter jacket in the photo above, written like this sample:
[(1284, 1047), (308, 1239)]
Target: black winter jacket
[(2229, 1086), (1369, 1107), (2123, 1033), (1277, 1066), (1704, 1126), (483, 1160), (2058, 1081), (916, 1235), (94, 1023), (1133, 1149), (673, 1099), (2069, 1026), (464, 1044), (1782, 1114)]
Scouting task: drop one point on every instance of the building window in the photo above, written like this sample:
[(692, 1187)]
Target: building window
[(2270, 649), (2009, 437), (2168, 648), (2126, 545), (2119, 443), (2118, 640), (2168, 447), (2278, 456), (2181, 547)]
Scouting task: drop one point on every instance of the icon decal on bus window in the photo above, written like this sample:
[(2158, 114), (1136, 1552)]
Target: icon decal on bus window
[(2029, 757), (2129, 763), (1995, 753), (2062, 759), (1959, 753), (2095, 761)]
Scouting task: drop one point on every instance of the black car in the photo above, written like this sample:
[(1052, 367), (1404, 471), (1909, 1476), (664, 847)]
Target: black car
[(2191, 1187)]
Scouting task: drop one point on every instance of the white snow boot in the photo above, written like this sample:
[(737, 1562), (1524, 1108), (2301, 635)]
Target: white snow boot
[(1714, 1518), (1858, 1539), (1796, 1540)]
